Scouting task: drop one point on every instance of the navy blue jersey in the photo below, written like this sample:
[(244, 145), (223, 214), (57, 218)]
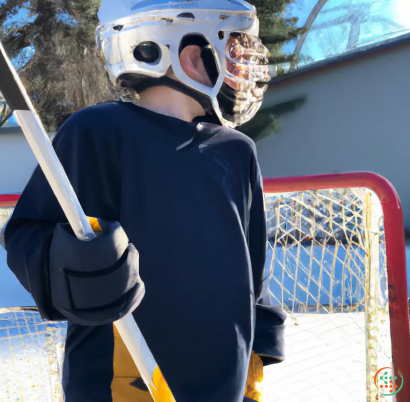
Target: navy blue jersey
[(189, 196)]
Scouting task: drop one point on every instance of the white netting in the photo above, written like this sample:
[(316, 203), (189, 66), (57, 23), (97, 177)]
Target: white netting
[(31, 355), (327, 268)]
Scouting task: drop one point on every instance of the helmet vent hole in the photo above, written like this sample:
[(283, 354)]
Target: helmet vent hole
[(221, 35), (186, 15), (118, 27), (147, 52)]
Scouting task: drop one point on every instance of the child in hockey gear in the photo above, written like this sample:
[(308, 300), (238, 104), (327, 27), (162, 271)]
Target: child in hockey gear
[(185, 192)]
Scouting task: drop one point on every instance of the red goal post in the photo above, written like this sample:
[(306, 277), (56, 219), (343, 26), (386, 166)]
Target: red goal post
[(395, 251)]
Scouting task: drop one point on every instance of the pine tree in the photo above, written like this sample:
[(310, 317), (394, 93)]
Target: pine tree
[(276, 29), (51, 43)]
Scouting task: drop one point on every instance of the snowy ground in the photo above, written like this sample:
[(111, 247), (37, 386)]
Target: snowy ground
[(326, 360)]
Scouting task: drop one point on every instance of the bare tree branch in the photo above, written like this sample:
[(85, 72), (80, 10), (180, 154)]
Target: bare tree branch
[(4, 121)]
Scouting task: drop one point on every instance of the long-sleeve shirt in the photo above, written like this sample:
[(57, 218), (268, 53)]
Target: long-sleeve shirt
[(189, 196)]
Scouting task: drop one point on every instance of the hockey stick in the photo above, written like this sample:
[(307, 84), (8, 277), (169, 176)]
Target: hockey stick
[(15, 95)]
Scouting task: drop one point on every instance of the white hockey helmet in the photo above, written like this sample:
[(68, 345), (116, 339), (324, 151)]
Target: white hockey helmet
[(148, 41)]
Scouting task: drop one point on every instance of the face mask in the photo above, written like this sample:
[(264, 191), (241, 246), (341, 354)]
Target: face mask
[(246, 78)]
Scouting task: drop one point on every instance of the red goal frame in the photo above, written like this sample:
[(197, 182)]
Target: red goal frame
[(395, 251)]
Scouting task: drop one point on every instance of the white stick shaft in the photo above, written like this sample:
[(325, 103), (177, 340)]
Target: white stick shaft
[(138, 348), (61, 186), (54, 172)]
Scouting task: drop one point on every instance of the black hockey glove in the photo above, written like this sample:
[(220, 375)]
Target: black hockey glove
[(94, 282)]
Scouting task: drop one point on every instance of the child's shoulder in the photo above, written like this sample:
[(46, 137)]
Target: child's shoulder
[(231, 136), (108, 119), (101, 113)]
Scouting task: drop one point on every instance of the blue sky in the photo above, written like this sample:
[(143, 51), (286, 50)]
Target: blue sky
[(111, 10)]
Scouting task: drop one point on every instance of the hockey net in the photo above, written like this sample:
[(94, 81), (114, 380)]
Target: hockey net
[(327, 266), (31, 356), (31, 350)]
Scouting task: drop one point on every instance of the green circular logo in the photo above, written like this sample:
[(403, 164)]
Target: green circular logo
[(388, 382)]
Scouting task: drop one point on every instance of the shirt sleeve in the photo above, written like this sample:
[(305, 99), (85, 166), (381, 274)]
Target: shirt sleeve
[(270, 327), (257, 230)]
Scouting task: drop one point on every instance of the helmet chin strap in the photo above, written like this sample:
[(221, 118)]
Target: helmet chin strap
[(208, 59), (165, 81)]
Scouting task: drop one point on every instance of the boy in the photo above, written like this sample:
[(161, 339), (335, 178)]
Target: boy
[(188, 194)]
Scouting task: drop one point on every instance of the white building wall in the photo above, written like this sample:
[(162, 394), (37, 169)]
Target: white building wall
[(356, 118), (17, 162)]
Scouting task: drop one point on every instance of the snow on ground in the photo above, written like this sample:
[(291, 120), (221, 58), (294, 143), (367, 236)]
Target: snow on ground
[(326, 360)]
